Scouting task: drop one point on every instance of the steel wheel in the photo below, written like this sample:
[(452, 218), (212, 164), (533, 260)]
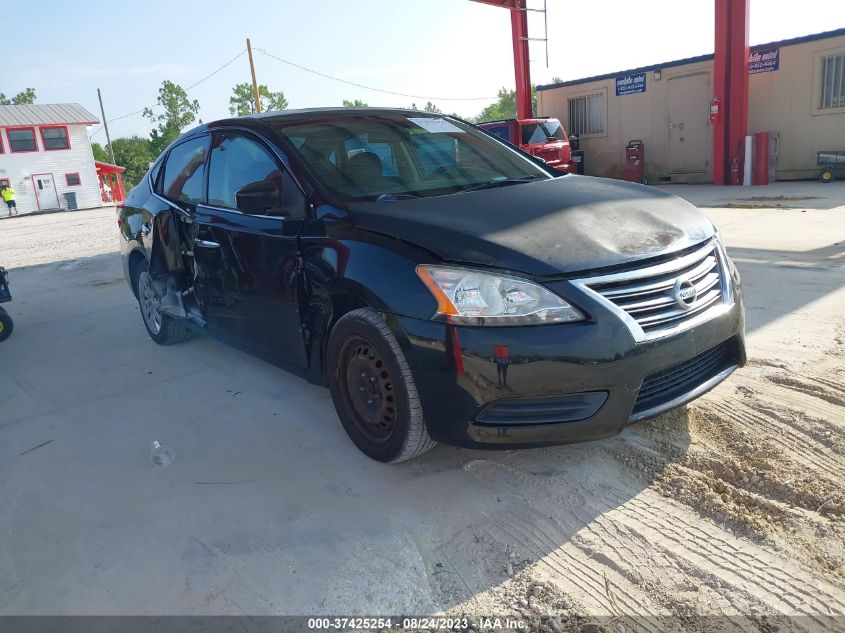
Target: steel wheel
[(369, 388), (149, 302)]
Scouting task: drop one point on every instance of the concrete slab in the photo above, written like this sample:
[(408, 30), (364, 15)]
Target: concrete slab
[(798, 195), (270, 509)]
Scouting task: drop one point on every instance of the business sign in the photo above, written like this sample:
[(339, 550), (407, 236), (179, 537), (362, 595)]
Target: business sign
[(763, 60), (629, 84)]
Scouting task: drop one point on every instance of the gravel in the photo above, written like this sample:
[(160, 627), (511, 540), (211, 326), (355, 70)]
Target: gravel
[(38, 239)]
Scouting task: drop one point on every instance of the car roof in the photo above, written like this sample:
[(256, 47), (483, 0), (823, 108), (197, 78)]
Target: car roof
[(264, 122), (284, 116)]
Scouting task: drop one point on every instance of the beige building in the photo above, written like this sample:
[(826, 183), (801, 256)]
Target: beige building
[(796, 92)]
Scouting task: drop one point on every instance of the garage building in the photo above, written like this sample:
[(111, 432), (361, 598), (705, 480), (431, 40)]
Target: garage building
[(45, 155), (796, 92)]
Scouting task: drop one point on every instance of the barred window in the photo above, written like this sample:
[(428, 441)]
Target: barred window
[(833, 82), (586, 114)]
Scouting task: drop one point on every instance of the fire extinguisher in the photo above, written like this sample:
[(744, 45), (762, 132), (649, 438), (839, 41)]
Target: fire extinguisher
[(714, 111)]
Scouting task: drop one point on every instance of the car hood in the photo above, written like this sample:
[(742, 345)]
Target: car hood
[(550, 227)]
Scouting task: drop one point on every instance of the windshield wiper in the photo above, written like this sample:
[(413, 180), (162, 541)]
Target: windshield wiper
[(390, 197), (499, 182)]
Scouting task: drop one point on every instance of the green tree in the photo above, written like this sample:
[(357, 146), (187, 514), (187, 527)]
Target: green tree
[(27, 96), (505, 106), (178, 113), (135, 154), (357, 103), (430, 107), (100, 153), (241, 102)]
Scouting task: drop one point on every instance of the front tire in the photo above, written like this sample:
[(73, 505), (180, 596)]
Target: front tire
[(373, 389), (163, 329), (6, 325)]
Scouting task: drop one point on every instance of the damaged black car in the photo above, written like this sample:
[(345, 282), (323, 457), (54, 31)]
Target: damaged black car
[(444, 285)]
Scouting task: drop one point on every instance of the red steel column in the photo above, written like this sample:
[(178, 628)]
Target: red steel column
[(730, 85), (738, 106), (720, 92), (519, 29)]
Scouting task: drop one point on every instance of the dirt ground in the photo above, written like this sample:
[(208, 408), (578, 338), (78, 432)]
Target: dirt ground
[(732, 508)]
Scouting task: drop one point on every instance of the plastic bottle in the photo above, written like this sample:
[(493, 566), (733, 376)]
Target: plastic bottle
[(161, 455)]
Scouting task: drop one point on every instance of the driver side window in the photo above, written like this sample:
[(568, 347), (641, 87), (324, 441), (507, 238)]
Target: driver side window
[(237, 162)]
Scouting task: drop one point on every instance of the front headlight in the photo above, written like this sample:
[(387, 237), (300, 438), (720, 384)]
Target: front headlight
[(471, 297)]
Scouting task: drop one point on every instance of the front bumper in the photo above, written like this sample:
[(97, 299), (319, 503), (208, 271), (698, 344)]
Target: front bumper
[(458, 375)]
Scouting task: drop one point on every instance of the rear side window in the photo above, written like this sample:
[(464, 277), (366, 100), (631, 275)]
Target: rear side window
[(542, 132), (435, 151), (503, 132), (184, 171), (154, 173), (383, 151)]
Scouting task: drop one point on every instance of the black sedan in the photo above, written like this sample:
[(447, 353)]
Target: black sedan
[(444, 285)]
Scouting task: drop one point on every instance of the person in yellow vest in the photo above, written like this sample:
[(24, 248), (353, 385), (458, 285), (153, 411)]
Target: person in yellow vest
[(8, 195)]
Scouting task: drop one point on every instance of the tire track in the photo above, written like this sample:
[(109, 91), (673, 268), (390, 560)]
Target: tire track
[(809, 452), (673, 530)]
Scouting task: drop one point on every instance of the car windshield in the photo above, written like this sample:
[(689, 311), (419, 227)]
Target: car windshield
[(542, 132), (393, 156)]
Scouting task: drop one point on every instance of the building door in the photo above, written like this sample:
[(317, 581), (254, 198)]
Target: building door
[(689, 125), (45, 191)]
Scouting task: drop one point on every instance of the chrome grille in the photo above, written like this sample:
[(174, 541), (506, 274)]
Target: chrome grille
[(647, 298)]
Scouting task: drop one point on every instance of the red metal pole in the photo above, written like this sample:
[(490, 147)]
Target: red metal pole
[(730, 85), (738, 106), (721, 88), (519, 28)]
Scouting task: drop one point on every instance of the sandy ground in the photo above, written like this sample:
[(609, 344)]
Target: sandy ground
[(733, 506)]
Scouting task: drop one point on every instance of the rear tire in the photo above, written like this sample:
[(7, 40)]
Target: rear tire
[(373, 389), (826, 174), (6, 325), (163, 329)]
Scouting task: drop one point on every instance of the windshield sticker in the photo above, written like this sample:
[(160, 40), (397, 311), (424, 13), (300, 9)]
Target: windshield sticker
[(435, 126)]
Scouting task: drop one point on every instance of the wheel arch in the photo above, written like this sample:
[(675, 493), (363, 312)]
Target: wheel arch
[(134, 260)]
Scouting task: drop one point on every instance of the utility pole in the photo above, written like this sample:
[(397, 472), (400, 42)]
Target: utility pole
[(254, 81), (106, 126)]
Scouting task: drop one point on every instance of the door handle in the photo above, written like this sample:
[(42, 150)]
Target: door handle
[(206, 243)]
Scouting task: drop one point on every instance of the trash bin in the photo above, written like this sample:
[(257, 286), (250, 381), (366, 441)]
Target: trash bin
[(578, 159), (634, 169), (70, 200), (576, 154)]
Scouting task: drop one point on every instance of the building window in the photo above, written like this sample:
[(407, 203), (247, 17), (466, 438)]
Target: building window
[(55, 138), (586, 115), (833, 82), (22, 139), (73, 180)]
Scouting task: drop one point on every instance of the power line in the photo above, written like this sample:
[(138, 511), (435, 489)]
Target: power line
[(194, 85), (357, 85)]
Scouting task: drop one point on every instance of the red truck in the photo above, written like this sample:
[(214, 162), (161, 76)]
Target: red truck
[(542, 137)]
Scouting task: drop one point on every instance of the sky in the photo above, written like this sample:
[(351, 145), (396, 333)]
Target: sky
[(457, 53)]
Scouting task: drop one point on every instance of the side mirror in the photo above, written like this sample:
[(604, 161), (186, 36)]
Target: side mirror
[(260, 198)]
